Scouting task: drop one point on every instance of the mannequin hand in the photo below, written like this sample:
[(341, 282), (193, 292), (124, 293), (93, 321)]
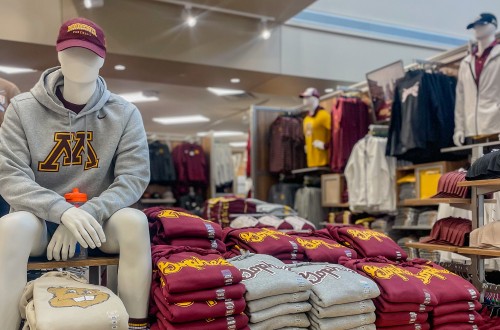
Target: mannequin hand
[(319, 144), (458, 138), (62, 245), (87, 231)]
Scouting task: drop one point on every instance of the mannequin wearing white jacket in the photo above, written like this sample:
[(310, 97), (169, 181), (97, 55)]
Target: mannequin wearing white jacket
[(477, 108)]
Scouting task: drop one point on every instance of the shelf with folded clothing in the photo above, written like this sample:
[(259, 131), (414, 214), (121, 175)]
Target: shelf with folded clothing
[(483, 186), (432, 247), (312, 170)]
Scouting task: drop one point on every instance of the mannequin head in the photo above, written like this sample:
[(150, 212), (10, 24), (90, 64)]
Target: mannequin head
[(486, 31), (310, 102), (80, 65)]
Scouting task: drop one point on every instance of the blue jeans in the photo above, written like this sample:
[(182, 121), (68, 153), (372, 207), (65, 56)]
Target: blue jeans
[(4, 207)]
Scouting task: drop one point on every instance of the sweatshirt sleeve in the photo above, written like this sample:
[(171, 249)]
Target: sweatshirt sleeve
[(132, 172), (17, 179), (459, 103)]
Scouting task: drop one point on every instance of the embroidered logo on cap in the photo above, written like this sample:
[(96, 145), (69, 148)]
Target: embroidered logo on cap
[(82, 29)]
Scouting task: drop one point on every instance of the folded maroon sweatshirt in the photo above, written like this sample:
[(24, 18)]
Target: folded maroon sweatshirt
[(264, 241), (196, 310), (172, 224), (184, 269), (416, 326), (400, 318), (458, 317), (459, 306), (321, 249), (387, 307), (233, 292), (457, 326), (367, 242), (200, 243), (237, 322), (418, 281)]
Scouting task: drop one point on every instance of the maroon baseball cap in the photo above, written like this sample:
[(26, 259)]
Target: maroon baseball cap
[(81, 32), (311, 91)]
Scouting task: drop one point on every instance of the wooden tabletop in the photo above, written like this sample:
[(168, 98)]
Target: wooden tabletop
[(101, 261)]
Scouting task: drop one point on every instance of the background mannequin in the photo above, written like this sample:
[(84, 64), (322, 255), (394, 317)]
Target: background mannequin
[(125, 231), (478, 80), (317, 126)]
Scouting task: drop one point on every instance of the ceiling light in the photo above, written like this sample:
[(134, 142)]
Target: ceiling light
[(93, 3), (222, 133), (224, 91), (238, 144), (181, 120), (329, 90), (14, 70), (120, 67), (235, 80), (266, 32), (138, 97), (191, 20)]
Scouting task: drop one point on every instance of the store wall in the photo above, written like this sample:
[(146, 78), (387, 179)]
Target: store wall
[(348, 58)]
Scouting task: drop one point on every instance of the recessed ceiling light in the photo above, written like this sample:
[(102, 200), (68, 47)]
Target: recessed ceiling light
[(222, 133), (235, 80), (224, 91), (329, 90), (14, 70), (138, 97), (120, 67), (181, 120), (93, 3), (238, 144), (266, 32)]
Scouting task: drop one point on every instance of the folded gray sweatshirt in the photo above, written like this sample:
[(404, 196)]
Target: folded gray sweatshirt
[(264, 303), (265, 276), (355, 308), (280, 322), (341, 323), (334, 284), (283, 309)]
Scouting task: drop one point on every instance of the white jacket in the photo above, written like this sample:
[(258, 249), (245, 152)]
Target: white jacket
[(477, 108), (371, 176)]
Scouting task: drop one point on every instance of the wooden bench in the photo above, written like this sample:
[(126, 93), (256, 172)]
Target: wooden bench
[(95, 265)]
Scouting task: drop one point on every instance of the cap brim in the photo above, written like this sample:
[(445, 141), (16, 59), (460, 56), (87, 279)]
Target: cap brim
[(82, 44), (303, 95), (473, 25)]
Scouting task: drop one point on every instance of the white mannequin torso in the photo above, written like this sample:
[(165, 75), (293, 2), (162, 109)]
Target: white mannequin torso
[(80, 68)]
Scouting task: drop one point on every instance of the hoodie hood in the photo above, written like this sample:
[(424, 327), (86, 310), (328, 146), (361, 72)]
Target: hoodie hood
[(45, 92)]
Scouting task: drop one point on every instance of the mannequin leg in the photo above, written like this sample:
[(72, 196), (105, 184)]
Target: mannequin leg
[(127, 233), (21, 234)]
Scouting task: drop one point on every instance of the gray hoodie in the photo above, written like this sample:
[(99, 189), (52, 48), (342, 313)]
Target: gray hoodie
[(108, 158)]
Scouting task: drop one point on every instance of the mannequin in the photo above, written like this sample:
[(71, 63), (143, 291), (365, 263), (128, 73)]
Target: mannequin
[(317, 125), (477, 109), (125, 231)]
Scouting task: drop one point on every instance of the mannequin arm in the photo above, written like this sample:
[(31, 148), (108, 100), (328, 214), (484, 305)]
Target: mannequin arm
[(17, 180), (459, 109), (131, 172)]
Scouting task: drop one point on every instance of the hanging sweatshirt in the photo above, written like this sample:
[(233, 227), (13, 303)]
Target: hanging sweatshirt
[(46, 150)]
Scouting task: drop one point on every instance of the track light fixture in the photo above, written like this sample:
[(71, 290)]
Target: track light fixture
[(266, 32), (191, 20)]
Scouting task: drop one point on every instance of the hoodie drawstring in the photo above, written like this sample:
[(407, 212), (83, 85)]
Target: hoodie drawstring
[(70, 139), (85, 141)]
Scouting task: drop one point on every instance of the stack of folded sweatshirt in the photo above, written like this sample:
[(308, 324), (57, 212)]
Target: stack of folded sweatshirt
[(220, 209), (457, 315), (195, 289), (411, 290), (173, 227), (367, 243), (276, 297), (340, 298)]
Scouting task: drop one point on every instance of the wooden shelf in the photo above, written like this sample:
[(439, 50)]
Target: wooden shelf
[(312, 170), (432, 247), (469, 251), (339, 205), (480, 183), (437, 201), (412, 227), (157, 201), (89, 262)]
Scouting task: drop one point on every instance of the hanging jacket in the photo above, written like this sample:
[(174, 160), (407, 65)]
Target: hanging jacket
[(161, 163), (47, 150), (370, 177), (477, 108)]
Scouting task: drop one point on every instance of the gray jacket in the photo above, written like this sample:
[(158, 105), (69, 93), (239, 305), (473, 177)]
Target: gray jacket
[(477, 108), (47, 150)]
